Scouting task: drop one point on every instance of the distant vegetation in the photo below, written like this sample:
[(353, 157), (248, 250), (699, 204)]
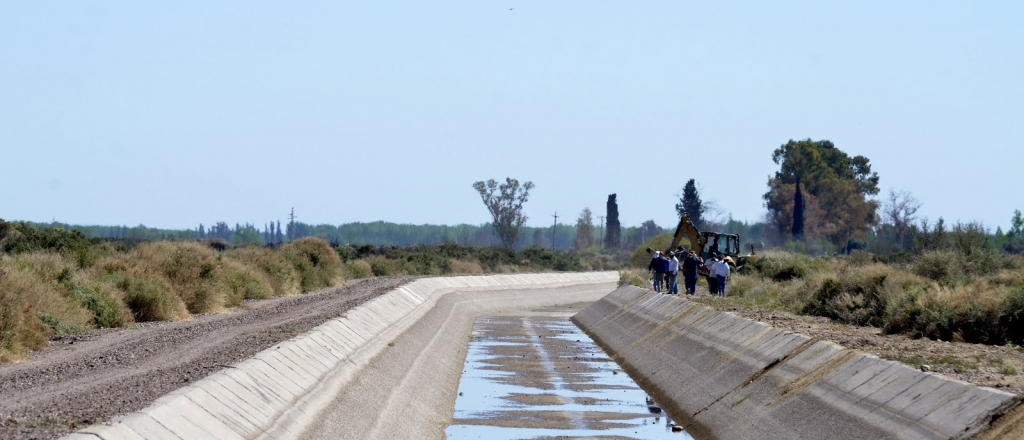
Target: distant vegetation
[(55, 282), (956, 284)]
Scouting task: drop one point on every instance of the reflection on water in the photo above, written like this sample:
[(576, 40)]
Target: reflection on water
[(541, 377)]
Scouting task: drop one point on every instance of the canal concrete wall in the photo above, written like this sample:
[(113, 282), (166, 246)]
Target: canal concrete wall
[(726, 377), (282, 391)]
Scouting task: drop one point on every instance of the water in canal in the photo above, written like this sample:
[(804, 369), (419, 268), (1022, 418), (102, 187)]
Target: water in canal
[(537, 376)]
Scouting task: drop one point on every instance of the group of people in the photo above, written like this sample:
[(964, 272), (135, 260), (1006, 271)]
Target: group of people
[(665, 271)]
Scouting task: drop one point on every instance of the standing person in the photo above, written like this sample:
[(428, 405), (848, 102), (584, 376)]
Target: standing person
[(672, 274), (657, 267), (721, 271), (712, 281), (691, 262)]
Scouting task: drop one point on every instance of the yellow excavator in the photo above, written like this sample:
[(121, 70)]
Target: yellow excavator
[(726, 246)]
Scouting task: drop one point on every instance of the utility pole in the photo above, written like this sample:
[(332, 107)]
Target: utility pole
[(553, 230), (601, 234)]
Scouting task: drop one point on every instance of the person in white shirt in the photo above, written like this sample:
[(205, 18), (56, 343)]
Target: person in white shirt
[(672, 276), (721, 271)]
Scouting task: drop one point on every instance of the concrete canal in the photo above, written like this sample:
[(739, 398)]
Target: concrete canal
[(535, 375)]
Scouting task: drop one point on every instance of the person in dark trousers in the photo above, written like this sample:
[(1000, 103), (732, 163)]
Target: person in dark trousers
[(721, 271), (672, 274), (712, 281), (691, 264), (658, 266)]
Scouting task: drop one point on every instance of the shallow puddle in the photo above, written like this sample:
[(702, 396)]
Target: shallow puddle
[(539, 377)]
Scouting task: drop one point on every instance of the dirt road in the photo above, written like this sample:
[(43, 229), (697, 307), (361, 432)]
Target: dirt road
[(83, 379)]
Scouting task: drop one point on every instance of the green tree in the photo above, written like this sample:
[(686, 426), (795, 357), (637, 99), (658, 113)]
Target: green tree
[(612, 238), (584, 230), (839, 185), (690, 203), (1013, 242), (505, 203)]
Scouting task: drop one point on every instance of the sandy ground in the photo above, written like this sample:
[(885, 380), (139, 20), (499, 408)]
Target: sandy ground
[(83, 379), (984, 365)]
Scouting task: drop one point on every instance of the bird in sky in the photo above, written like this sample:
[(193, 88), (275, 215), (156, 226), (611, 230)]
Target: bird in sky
[(511, 9)]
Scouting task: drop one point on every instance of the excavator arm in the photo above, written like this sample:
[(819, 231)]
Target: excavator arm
[(687, 229)]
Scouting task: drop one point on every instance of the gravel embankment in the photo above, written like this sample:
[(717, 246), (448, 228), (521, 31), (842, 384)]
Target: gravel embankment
[(83, 379)]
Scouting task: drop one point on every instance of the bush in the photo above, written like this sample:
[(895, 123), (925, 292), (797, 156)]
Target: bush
[(39, 279), (634, 277), (939, 265), (857, 295), (245, 282), (191, 269), (358, 269), (149, 298), (380, 266), (462, 267), (317, 264), (107, 303), (282, 275), (640, 258), (784, 266), (20, 331)]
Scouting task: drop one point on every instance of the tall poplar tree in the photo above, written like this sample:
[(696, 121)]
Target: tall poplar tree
[(612, 238)]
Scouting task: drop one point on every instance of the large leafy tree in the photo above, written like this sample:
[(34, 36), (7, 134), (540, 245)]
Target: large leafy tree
[(830, 180), (505, 203)]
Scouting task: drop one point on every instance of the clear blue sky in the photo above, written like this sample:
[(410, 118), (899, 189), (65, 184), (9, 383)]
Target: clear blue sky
[(170, 114)]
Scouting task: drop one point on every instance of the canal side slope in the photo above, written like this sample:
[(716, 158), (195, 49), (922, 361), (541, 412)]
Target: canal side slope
[(726, 377), (387, 369)]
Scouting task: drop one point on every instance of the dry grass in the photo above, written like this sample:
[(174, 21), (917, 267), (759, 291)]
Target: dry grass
[(462, 267), (20, 329)]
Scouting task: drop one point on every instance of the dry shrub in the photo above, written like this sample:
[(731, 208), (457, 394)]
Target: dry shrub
[(191, 269), (939, 265), (358, 269), (383, 267), (463, 267), (149, 297), (969, 313), (737, 284), (244, 282), (1010, 278), (281, 274), (317, 264), (785, 266), (105, 301), (39, 278), (633, 277), (20, 330), (857, 294)]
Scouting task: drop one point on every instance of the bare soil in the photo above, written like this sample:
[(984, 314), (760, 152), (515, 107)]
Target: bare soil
[(83, 379), (985, 365)]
